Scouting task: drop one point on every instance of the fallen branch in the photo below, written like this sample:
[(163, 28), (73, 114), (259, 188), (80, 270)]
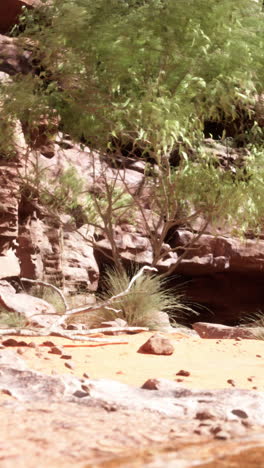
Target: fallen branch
[(53, 330), (46, 333), (91, 308)]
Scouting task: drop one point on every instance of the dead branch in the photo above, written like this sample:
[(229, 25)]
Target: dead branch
[(91, 308), (80, 335)]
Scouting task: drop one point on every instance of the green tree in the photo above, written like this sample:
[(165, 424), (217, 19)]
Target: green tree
[(144, 76)]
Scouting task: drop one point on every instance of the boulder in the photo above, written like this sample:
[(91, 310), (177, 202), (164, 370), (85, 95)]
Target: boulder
[(157, 344), (36, 311)]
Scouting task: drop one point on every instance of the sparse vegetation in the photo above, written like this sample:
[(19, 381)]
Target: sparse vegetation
[(10, 319), (48, 295), (256, 322), (142, 305)]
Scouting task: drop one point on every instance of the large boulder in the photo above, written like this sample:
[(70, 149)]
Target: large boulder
[(34, 310)]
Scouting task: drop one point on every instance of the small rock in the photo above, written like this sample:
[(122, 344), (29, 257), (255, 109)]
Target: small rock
[(32, 344), (69, 365), (222, 435), (72, 326), (20, 351), (5, 391), (157, 344), (22, 343), (216, 429), (240, 413), (183, 373), (80, 394), (203, 415), (50, 344), (231, 382), (258, 355), (151, 384), (66, 356), (75, 326), (55, 350), (85, 375), (10, 342), (86, 389)]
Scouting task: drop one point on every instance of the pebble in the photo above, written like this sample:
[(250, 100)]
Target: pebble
[(231, 382), (222, 435), (50, 344), (32, 345), (66, 356), (55, 350), (184, 373), (69, 365)]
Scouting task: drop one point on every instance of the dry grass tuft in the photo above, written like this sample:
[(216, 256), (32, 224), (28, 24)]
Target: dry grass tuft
[(141, 307)]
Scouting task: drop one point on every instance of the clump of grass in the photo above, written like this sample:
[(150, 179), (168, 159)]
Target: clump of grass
[(49, 295), (256, 322), (11, 319), (147, 297)]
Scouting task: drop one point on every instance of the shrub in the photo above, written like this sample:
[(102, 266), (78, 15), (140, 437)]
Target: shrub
[(147, 297), (49, 295), (256, 322), (11, 319)]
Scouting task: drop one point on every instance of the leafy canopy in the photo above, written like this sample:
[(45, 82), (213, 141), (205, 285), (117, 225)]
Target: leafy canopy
[(149, 70), (149, 73)]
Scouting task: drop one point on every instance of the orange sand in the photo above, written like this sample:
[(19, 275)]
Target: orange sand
[(210, 362)]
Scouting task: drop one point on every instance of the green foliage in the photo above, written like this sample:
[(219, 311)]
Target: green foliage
[(11, 319), (140, 307), (256, 322), (148, 71), (49, 295)]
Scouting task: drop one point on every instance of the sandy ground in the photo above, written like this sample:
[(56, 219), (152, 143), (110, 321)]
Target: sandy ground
[(211, 363), (58, 435)]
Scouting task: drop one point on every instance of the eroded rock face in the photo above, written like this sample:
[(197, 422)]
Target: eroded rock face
[(79, 268), (220, 254), (224, 274)]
